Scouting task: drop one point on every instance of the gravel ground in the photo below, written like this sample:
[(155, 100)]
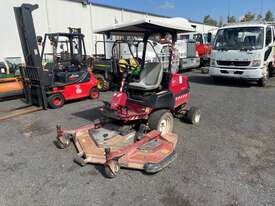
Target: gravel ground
[(228, 161)]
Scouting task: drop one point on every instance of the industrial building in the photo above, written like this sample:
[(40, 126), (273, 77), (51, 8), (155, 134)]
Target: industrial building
[(58, 15)]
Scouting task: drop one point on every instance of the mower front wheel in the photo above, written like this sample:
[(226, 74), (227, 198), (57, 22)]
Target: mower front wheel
[(161, 120), (193, 116), (56, 100)]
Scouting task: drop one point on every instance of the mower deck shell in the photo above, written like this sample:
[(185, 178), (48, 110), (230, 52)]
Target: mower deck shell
[(152, 153)]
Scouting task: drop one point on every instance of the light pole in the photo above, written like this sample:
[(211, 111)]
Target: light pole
[(229, 5), (262, 7)]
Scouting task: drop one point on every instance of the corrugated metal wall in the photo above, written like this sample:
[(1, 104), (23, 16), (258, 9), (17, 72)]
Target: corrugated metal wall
[(57, 16)]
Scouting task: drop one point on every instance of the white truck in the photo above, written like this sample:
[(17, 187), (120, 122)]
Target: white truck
[(243, 51)]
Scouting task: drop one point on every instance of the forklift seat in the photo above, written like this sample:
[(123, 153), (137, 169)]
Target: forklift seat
[(150, 77)]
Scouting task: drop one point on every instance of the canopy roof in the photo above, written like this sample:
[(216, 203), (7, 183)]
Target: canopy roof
[(139, 27)]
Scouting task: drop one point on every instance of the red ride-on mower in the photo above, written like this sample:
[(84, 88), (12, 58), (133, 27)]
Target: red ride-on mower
[(154, 98), (160, 94)]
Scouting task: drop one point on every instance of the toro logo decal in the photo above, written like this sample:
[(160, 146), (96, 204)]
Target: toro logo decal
[(78, 89)]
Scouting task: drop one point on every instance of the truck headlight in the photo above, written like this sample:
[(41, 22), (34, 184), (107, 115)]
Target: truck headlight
[(212, 62), (256, 63)]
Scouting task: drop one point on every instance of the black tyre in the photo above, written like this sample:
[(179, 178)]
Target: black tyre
[(161, 120), (94, 93), (216, 80), (263, 81), (103, 84), (193, 116), (80, 161), (56, 101), (63, 141), (112, 173)]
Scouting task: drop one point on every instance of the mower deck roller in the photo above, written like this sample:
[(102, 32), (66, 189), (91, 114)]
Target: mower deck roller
[(103, 145)]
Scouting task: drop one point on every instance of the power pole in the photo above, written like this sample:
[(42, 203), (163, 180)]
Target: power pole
[(262, 7)]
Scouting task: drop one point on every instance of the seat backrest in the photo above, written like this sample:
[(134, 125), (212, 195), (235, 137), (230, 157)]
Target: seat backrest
[(152, 74)]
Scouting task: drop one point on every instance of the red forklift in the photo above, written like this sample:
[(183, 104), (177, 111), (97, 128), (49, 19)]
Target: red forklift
[(61, 72), (136, 131)]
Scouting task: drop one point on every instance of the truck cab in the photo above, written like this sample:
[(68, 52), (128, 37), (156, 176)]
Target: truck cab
[(243, 51)]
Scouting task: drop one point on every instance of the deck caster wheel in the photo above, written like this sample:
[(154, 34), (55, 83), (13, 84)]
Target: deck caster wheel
[(193, 116), (63, 141), (80, 161), (111, 169)]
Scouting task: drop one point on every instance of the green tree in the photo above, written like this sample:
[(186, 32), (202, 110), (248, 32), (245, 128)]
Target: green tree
[(259, 17), (269, 16), (210, 21), (249, 16), (231, 19)]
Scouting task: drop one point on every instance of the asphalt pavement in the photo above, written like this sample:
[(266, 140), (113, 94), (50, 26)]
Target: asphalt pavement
[(229, 160)]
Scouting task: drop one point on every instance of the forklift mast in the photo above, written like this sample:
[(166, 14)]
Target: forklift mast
[(34, 78)]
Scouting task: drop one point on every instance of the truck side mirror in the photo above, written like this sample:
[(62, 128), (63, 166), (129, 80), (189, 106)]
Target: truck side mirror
[(209, 37)]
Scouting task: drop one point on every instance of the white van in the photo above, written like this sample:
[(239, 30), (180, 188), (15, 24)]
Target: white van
[(243, 51)]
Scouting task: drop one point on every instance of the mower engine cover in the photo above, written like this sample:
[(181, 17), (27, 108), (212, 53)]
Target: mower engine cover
[(119, 100)]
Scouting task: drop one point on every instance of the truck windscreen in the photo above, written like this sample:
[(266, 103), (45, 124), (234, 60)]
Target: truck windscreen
[(239, 38)]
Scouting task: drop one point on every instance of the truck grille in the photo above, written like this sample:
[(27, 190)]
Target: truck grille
[(234, 63)]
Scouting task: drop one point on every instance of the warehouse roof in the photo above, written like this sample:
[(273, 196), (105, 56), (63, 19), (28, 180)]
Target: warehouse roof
[(125, 9)]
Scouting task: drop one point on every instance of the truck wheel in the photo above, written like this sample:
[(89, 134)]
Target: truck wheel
[(263, 81), (216, 80), (102, 85), (94, 93), (56, 101), (193, 116), (161, 120)]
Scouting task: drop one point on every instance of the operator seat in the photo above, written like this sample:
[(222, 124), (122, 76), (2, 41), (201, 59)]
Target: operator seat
[(150, 77)]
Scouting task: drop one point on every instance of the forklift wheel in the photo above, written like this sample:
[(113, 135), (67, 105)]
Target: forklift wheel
[(56, 101), (111, 169), (193, 116), (161, 120), (94, 93), (103, 85)]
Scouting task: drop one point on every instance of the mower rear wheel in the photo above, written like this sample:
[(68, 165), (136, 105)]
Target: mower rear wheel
[(111, 169), (94, 93), (161, 120), (193, 116), (56, 100), (103, 85)]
